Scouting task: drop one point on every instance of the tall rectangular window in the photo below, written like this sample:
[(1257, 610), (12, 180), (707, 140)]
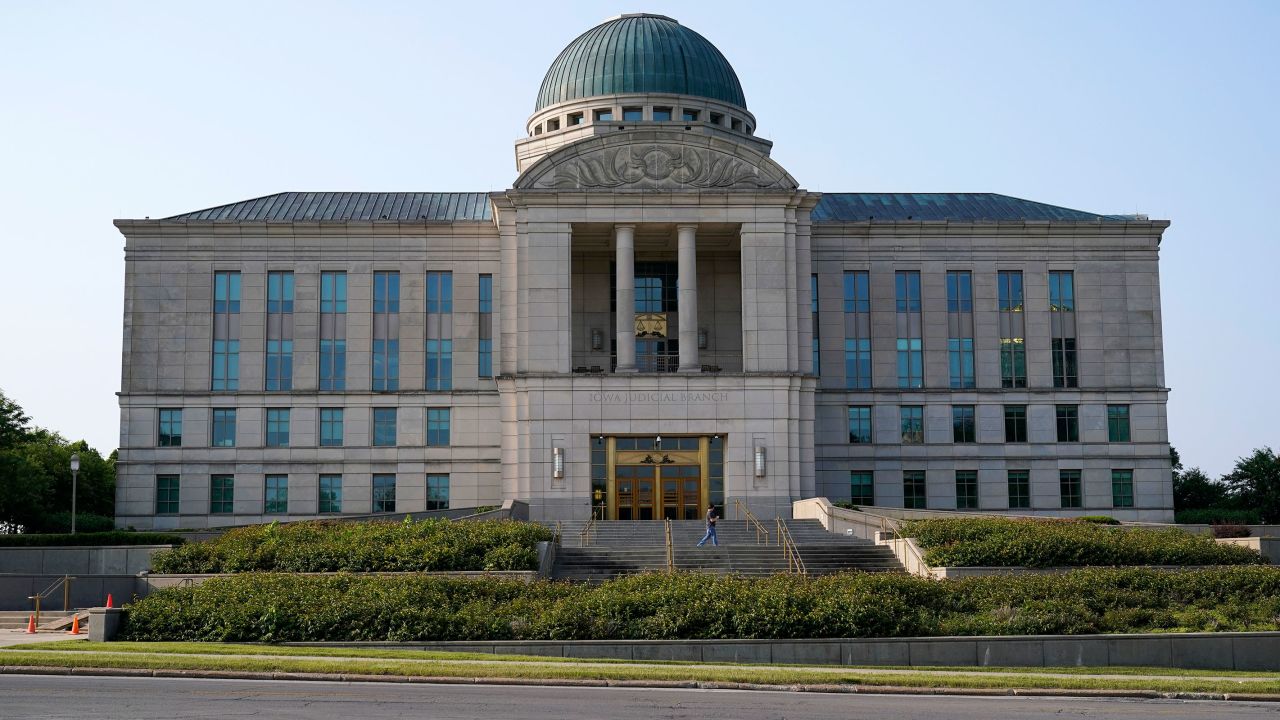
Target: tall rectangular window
[(914, 491), (277, 427), (170, 427), (1013, 346), (964, 424), (384, 426), (1019, 489), (1122, 488), (331, 427), (1015, 423), (484, 367), (279, 365), (167, 494), (1069, 488), (1118, 423), (330, 494), (862, 487), (437, 426), (437, 492), (1068, 417), (857, 363), (224, 428), (333, 330), (813, 323), (857, 329), (1062, 327), (222, 494), (910, 342), (386, 331), (276, 495), (960, 328), (225, 374), (966, 489), (384, 493), (860, 424), (439, 331), (912, 424)]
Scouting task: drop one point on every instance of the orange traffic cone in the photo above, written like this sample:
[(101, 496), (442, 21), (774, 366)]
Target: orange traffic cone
[(109, 600), (31, 624), (75, 625)]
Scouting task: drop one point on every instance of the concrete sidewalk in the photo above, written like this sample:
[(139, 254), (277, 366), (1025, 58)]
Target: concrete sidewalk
[(14, 638)]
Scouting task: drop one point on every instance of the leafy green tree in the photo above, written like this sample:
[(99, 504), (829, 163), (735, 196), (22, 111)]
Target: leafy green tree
[(1194, 490), (1255, 483), (35, 476)]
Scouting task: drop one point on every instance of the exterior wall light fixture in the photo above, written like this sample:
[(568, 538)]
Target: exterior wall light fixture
[(597, 339), (702, 338), (557, 462), (759, 461)]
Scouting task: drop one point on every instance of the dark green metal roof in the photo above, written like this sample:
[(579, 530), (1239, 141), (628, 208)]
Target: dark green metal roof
[(961, 207), (640, 54), (343, 206)]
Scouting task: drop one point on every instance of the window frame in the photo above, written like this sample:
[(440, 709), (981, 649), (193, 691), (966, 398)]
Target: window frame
[(864, 421), (434, 483), (384, 418), (1067, 420), (1119, 424), (1070, 489), (381, 482), (862, 487), (968, 481), (168, 418), (960, 434), (321, 501), (915, 437), (168, 496), (918, 482), (1020, 479), (278, 485), (222, 494)]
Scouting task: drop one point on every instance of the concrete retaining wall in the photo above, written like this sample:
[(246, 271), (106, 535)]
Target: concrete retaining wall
[(70, 560), (86, 591), (1267, 547), (1203, 651)]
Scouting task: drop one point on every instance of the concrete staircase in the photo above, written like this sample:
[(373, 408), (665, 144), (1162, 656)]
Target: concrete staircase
[(17, 619), (623, 547)]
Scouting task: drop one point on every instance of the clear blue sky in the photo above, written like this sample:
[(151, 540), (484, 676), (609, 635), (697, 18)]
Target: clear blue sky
[(111, 110)]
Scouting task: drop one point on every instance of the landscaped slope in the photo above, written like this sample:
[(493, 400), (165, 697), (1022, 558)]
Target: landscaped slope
[(331, 546), (260, 607), (999, 542)]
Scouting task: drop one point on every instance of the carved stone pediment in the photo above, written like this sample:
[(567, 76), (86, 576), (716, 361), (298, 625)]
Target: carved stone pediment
[(660, 164)]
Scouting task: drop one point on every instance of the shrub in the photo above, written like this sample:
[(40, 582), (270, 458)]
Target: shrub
[(1231, 531), (116, 537), (60, 522), (1000, 542), (278, 608), (1209, 516), (1099, 519), (382, 546)]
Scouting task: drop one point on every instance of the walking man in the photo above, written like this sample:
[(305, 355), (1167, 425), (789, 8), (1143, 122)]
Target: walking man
[(711, 527)]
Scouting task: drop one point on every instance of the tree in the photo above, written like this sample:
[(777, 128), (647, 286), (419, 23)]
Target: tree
[(35, 476), (1255, 483), (1193, 490)]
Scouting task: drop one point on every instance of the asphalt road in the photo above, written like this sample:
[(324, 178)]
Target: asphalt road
[(90, 698)]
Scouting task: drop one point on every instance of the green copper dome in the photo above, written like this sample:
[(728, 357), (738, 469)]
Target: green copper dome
[(640, 54)]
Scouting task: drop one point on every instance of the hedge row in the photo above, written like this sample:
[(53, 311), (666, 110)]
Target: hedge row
[(1211, 516), (999, 542), (332, 546), (279, 608), (115, 537)]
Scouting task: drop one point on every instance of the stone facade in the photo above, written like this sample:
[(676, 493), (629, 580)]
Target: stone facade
[(695, 197)]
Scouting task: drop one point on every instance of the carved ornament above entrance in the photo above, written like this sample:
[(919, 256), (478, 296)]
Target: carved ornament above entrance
[(674, 163)]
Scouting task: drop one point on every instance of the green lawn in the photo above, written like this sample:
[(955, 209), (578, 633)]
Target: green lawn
[(411, 663)]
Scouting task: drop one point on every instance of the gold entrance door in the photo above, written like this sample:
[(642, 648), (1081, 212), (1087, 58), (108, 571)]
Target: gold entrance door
[(652, 481), (681, 491)]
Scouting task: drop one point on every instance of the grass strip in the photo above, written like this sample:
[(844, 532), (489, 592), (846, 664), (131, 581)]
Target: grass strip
[(570, 671), (198, 648)]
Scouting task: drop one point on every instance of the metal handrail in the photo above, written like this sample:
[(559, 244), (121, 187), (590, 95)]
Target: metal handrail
[(588, 531), (65, 582), (795, 564), (559, 531), (741, 510), (671, 548)]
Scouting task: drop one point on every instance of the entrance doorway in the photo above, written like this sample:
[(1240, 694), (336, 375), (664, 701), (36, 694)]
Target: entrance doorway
[(652, 478), (658, 492)]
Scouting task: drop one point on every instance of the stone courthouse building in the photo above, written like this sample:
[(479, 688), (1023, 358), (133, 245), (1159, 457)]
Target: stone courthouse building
[(653, 317)]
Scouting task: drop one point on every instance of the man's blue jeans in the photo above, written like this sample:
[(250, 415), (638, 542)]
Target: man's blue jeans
[(711, 534)]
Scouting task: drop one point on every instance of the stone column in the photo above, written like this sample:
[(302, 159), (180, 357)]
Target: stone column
[(625, 235), (687, 297)]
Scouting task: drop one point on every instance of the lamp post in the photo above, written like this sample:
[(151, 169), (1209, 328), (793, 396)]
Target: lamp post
[(75, 471)]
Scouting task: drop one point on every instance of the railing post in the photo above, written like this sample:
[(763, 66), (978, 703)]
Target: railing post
[(66, 592)]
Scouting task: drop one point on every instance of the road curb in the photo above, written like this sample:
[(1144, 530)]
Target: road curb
[(656, 684)]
